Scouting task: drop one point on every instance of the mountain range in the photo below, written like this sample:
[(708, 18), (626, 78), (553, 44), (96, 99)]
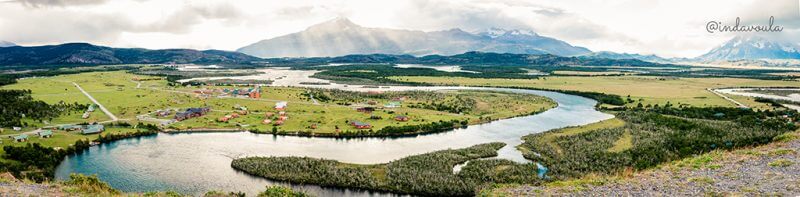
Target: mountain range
[(340, 37), (753, 47), (87, 54), (6, 44)]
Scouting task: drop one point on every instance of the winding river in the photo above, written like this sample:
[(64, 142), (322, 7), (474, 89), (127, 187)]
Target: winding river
[(197, 162)]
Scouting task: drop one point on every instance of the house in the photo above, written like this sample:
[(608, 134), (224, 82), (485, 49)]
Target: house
[(163, 113), (70, 127), (281, 113), (191, 113), (91, 108), (266, 121), (269, 114), (21, 138), (360, 125), (46, 133), (16, 128), (284, 118), (277, 122), (393, 104), (224, 118), (313, 126), (401, 118), (281, 105), (92, 129), (365, 109)]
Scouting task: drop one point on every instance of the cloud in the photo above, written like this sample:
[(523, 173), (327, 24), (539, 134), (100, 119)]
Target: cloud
[(59, 3), (182, 20)]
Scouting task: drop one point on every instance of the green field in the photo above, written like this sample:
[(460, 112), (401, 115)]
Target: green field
[(651, 90), (118, 92)]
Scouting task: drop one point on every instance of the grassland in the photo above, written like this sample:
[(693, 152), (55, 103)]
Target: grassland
[(644, 89), (127, 99)]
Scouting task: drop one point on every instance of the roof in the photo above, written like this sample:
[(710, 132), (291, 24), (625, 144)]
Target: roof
[(281, 104), (357, 123), (19, 137), (91, 129), (45, 132), (69, 127)]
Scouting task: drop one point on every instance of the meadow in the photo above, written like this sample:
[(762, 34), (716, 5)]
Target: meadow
[(641, 89), (127, 99)]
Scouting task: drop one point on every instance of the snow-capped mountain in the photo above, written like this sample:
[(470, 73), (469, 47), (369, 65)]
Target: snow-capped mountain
[(342, 37), (6, 44), (615, 55), (753, 47)]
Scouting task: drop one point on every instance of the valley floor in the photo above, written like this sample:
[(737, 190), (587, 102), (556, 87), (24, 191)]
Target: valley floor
[(771, 169)]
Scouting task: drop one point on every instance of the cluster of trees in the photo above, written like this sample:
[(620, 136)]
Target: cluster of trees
[(426, 174), (432, 127), (657, 136), (379, 73), (18, 104)]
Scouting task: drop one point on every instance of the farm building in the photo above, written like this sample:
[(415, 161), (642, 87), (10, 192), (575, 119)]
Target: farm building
[(46, 133), (92, 129), (360, 125), (393, 104), (70, 127), (401, 118), (21, 138), (281, 105), (365, 109), (163, 113), (191, 113)]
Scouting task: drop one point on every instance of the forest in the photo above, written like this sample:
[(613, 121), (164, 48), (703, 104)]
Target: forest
[(17, 105), (426, 174)]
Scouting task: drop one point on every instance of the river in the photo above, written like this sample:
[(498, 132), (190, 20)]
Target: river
[(194, 163)]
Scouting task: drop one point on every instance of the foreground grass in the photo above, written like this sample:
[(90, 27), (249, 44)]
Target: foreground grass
[(82, 185), (719, 172), (644, 89)]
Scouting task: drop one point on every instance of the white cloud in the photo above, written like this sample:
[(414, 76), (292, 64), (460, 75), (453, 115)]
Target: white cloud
[(663, 27)]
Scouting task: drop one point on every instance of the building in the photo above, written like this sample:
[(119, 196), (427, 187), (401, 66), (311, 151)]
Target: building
[(16, 128), (93, 129), (269, 114), (365, 109), (393, 104), (46, 133), (163, 113), (266, 121), (191, 113), (277, 122), (21, 138), (70, 127), (401, 118), (360, 125), (281, 105)]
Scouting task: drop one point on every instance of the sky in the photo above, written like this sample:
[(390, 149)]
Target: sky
[(669, 28)]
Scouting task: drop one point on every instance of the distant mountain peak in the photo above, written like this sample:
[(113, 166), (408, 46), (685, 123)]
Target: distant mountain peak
[(6, 44), (333, 24), (753, 47), (495, 32), (340, 36)]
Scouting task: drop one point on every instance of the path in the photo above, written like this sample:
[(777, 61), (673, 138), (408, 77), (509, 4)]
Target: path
[(737, 103), (102, 108)]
